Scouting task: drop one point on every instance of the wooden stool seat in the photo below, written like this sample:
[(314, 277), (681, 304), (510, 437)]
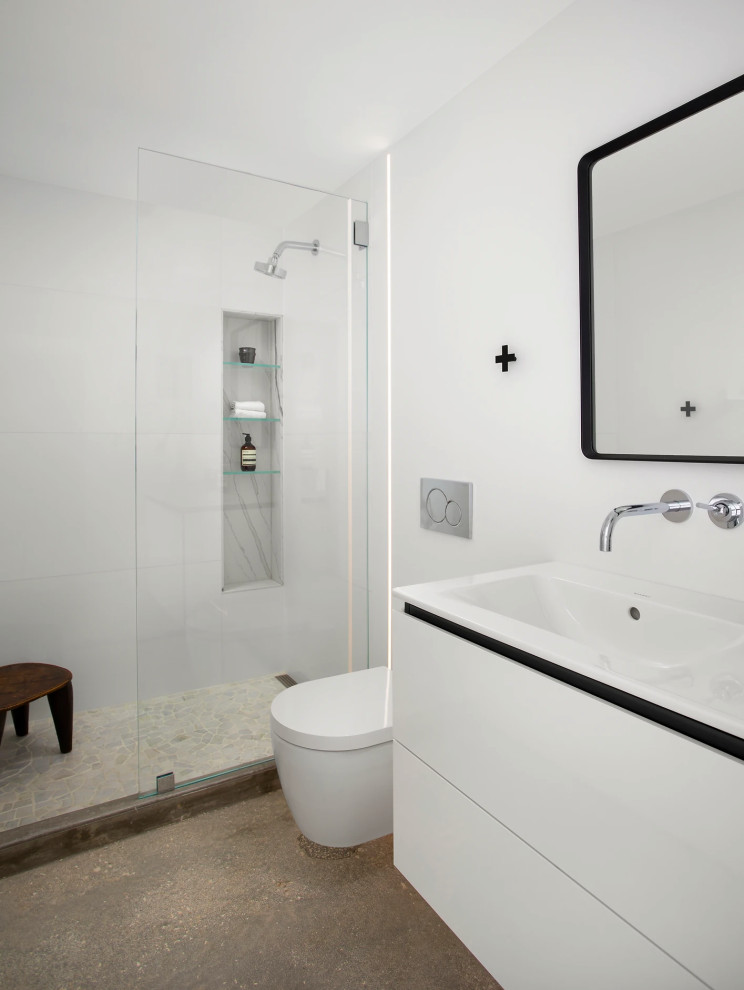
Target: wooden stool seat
[(22, 683)]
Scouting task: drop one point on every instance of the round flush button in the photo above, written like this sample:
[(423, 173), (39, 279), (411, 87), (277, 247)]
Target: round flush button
[(453, 513), (436, 505)]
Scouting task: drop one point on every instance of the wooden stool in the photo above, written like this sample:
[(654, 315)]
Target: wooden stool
[(22, 683)]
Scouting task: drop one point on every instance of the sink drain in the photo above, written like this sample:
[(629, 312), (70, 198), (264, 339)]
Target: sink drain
[(634, 613)]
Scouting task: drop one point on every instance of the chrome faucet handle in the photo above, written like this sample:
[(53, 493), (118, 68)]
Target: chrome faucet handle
[(679, 505), (725, 510)]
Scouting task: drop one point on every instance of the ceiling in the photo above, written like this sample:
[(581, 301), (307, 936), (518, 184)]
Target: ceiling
[(308, 91)]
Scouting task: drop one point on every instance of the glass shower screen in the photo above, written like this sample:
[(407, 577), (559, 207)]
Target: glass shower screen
[(251, 452)]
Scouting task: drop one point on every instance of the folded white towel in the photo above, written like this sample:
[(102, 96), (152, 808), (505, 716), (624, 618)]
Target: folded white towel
[(258, 406), (248, 414)]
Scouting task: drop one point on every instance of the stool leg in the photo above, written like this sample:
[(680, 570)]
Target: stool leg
[(2, 724), (20, 719), (60, 703)]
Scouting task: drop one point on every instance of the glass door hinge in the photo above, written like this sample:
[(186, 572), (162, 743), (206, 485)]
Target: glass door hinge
[(361, 233), (165, 782)]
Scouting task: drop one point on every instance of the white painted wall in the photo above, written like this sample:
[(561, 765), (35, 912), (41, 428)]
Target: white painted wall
[(484, 252)]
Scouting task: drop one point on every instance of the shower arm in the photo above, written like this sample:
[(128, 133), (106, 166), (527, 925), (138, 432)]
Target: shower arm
[(312, 246)]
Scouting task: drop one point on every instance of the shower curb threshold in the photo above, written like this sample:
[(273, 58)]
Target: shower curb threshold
[(29, 846)]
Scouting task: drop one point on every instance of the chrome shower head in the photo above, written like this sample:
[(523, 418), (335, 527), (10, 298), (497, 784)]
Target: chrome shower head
[(271, 267)]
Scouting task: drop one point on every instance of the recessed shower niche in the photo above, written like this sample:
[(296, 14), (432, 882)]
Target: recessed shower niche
[(251, 499)]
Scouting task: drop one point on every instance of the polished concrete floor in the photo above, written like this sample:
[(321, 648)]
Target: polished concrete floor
[(230, 898)]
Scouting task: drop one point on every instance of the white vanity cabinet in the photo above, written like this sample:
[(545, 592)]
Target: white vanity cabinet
[(570, 844)]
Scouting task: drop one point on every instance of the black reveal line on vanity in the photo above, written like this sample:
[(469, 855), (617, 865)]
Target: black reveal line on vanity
[(725, 742)]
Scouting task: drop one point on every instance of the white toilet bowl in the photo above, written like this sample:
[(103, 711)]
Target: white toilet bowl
[(333, 745)]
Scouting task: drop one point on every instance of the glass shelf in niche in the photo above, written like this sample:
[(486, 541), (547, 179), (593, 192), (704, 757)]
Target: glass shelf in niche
[(250, 472), (249, 419), (249, 364)]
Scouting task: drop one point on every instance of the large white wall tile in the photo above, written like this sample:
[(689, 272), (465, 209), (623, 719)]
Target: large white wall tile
[(179, 485), (65, 239), (192, 635), (178, 256), (67, 404), (68, 361), (84, 622), (254, 639), (179, 629), (179, 368), (316, 327), (316, 391), (244, 290), (316, 508), (68, 504), (300, 628), (317, 628)]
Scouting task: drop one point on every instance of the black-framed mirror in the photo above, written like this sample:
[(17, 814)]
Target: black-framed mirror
[(661, 264)]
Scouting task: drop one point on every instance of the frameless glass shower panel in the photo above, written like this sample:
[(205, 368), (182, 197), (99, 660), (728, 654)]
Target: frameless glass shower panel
[(251, 457), (325, 444)]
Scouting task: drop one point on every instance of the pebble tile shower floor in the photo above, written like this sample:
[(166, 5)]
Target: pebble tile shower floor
[(193, 733)]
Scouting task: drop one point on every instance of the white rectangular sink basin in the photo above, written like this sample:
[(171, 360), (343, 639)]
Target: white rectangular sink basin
[(675, 648)]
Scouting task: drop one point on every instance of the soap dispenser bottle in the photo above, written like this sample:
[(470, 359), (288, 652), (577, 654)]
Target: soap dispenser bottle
[(247, 455)]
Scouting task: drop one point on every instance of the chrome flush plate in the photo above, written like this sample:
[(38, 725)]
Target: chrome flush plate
[(447, 506)]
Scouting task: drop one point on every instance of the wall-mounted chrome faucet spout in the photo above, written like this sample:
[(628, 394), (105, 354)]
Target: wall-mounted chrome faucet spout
[(675, 505), (271, 267)]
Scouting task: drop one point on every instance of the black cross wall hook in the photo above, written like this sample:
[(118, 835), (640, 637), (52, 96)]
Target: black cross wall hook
[(687, 409), (505, 357)]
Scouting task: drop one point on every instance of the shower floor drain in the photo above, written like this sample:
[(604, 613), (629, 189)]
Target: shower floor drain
[(286, 679)]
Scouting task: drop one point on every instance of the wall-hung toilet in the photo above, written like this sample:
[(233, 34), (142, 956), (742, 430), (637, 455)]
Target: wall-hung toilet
[(333, 745)]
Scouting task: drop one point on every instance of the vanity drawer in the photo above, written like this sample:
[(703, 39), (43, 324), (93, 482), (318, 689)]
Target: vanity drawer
[(528, 923), (646, 820)]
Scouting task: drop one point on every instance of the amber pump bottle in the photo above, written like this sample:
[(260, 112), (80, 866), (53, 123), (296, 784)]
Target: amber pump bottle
[(247, 455)]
